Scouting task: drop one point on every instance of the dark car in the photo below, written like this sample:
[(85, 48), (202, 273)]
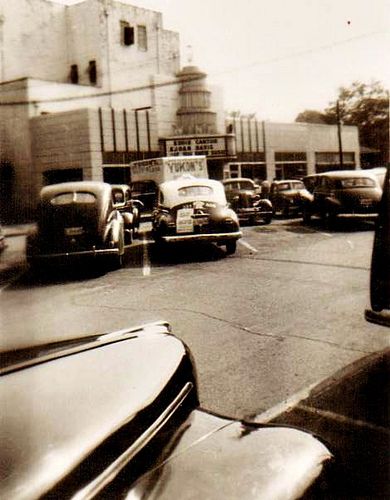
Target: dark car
[(146, 192), (192, 209), (380, 262), (289, 196), (344, 192), (245, 199), (130, 209), (116, 415), (77, 220)]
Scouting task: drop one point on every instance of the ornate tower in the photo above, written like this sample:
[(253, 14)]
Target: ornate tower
[(194, 115)]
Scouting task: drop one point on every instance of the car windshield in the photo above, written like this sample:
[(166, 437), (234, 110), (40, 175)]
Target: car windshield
[(298, 185), (357, 182), (195, 191), (73, 197), (245, 185)]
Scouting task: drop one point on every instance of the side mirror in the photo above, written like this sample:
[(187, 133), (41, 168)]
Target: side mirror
[(380, 263)]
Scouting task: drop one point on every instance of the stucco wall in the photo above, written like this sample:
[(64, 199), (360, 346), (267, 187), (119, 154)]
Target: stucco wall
[(34, 40)]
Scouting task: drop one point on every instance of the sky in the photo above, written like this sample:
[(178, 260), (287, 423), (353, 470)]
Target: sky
[(277, 58)]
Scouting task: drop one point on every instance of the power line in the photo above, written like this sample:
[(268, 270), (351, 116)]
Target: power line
[(178, 81)]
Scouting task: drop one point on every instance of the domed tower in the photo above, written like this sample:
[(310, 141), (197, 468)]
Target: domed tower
[(194, 115)]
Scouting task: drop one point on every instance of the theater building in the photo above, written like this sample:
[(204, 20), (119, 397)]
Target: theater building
[(87, 88)]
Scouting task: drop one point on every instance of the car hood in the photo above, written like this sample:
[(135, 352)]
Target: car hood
[(218, 458), (61, 404)]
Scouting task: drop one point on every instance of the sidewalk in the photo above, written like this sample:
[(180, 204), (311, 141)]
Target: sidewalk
[(13, 257)]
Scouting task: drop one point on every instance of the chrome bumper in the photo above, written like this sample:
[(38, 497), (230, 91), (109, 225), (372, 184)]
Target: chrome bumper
[(65, 255), (212, 237)]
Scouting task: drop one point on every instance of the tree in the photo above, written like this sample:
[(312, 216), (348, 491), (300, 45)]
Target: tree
[(311, 116), (363, 105)]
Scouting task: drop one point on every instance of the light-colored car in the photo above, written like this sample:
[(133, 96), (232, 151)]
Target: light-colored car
[(195, 209)]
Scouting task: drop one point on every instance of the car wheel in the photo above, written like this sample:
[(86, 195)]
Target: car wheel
[(231, 247), (129, 236), (267, 219), (306, 216)]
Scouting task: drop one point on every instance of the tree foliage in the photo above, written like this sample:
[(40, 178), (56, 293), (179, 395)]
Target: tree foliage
[(361, 104)]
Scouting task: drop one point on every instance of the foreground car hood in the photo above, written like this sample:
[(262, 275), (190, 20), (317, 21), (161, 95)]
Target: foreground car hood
[(217, 458), (55, 413)]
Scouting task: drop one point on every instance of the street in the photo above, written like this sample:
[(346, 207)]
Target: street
[(282, 313)]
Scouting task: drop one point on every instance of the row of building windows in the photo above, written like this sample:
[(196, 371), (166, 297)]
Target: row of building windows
[(128, 35)]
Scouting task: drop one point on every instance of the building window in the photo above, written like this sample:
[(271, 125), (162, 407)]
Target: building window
[(74, 73), (92, 72), (127, 33), (142, 38)]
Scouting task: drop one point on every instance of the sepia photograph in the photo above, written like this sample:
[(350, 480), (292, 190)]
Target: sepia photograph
[(194, 249)]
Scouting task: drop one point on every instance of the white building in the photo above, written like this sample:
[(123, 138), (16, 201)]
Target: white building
[(86, 88)]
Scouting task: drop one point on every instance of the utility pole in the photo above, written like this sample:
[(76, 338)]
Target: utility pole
[(339, 135)]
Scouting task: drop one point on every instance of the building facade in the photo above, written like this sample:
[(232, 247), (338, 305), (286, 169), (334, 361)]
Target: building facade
[(87, 88)]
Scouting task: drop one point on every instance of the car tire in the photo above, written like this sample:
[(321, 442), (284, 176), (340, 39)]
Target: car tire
[(306, 216), (231, 247), (267, 219)]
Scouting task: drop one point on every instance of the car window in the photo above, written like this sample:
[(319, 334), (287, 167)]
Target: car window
[(298, 185), (195, 191), (357, 182), (73, 197), (284, 186), (245, 185)]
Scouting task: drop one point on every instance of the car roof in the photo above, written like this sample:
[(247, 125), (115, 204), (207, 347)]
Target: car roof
[(341, 174), (281, 181), (97, 187), (189, 180), (237, 179)]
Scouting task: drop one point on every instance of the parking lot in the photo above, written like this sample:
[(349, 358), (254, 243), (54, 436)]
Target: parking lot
[(282, 313)]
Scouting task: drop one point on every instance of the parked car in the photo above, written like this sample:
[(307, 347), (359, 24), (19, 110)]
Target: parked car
[(245, 199), (195, 209), (311, 182), (380, 262), (129, 208), (77, 220), (116, 415), (344, 192), (379, 173), (146, 192), (288, 196)]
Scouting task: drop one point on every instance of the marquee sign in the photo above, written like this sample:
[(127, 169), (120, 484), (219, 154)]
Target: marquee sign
[(217, 146)]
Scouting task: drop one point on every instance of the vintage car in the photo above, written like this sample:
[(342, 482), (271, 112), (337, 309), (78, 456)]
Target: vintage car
[(116, 415), (245, 199), (146, 192), (77, 220), (380, 262), (194, 209), (288, 196), (344, 192), (130, 209)]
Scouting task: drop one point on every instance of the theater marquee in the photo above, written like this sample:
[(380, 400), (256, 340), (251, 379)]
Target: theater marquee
[(216, 146)]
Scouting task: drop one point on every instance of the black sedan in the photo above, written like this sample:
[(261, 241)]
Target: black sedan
[(77, 220), (116, 415)]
